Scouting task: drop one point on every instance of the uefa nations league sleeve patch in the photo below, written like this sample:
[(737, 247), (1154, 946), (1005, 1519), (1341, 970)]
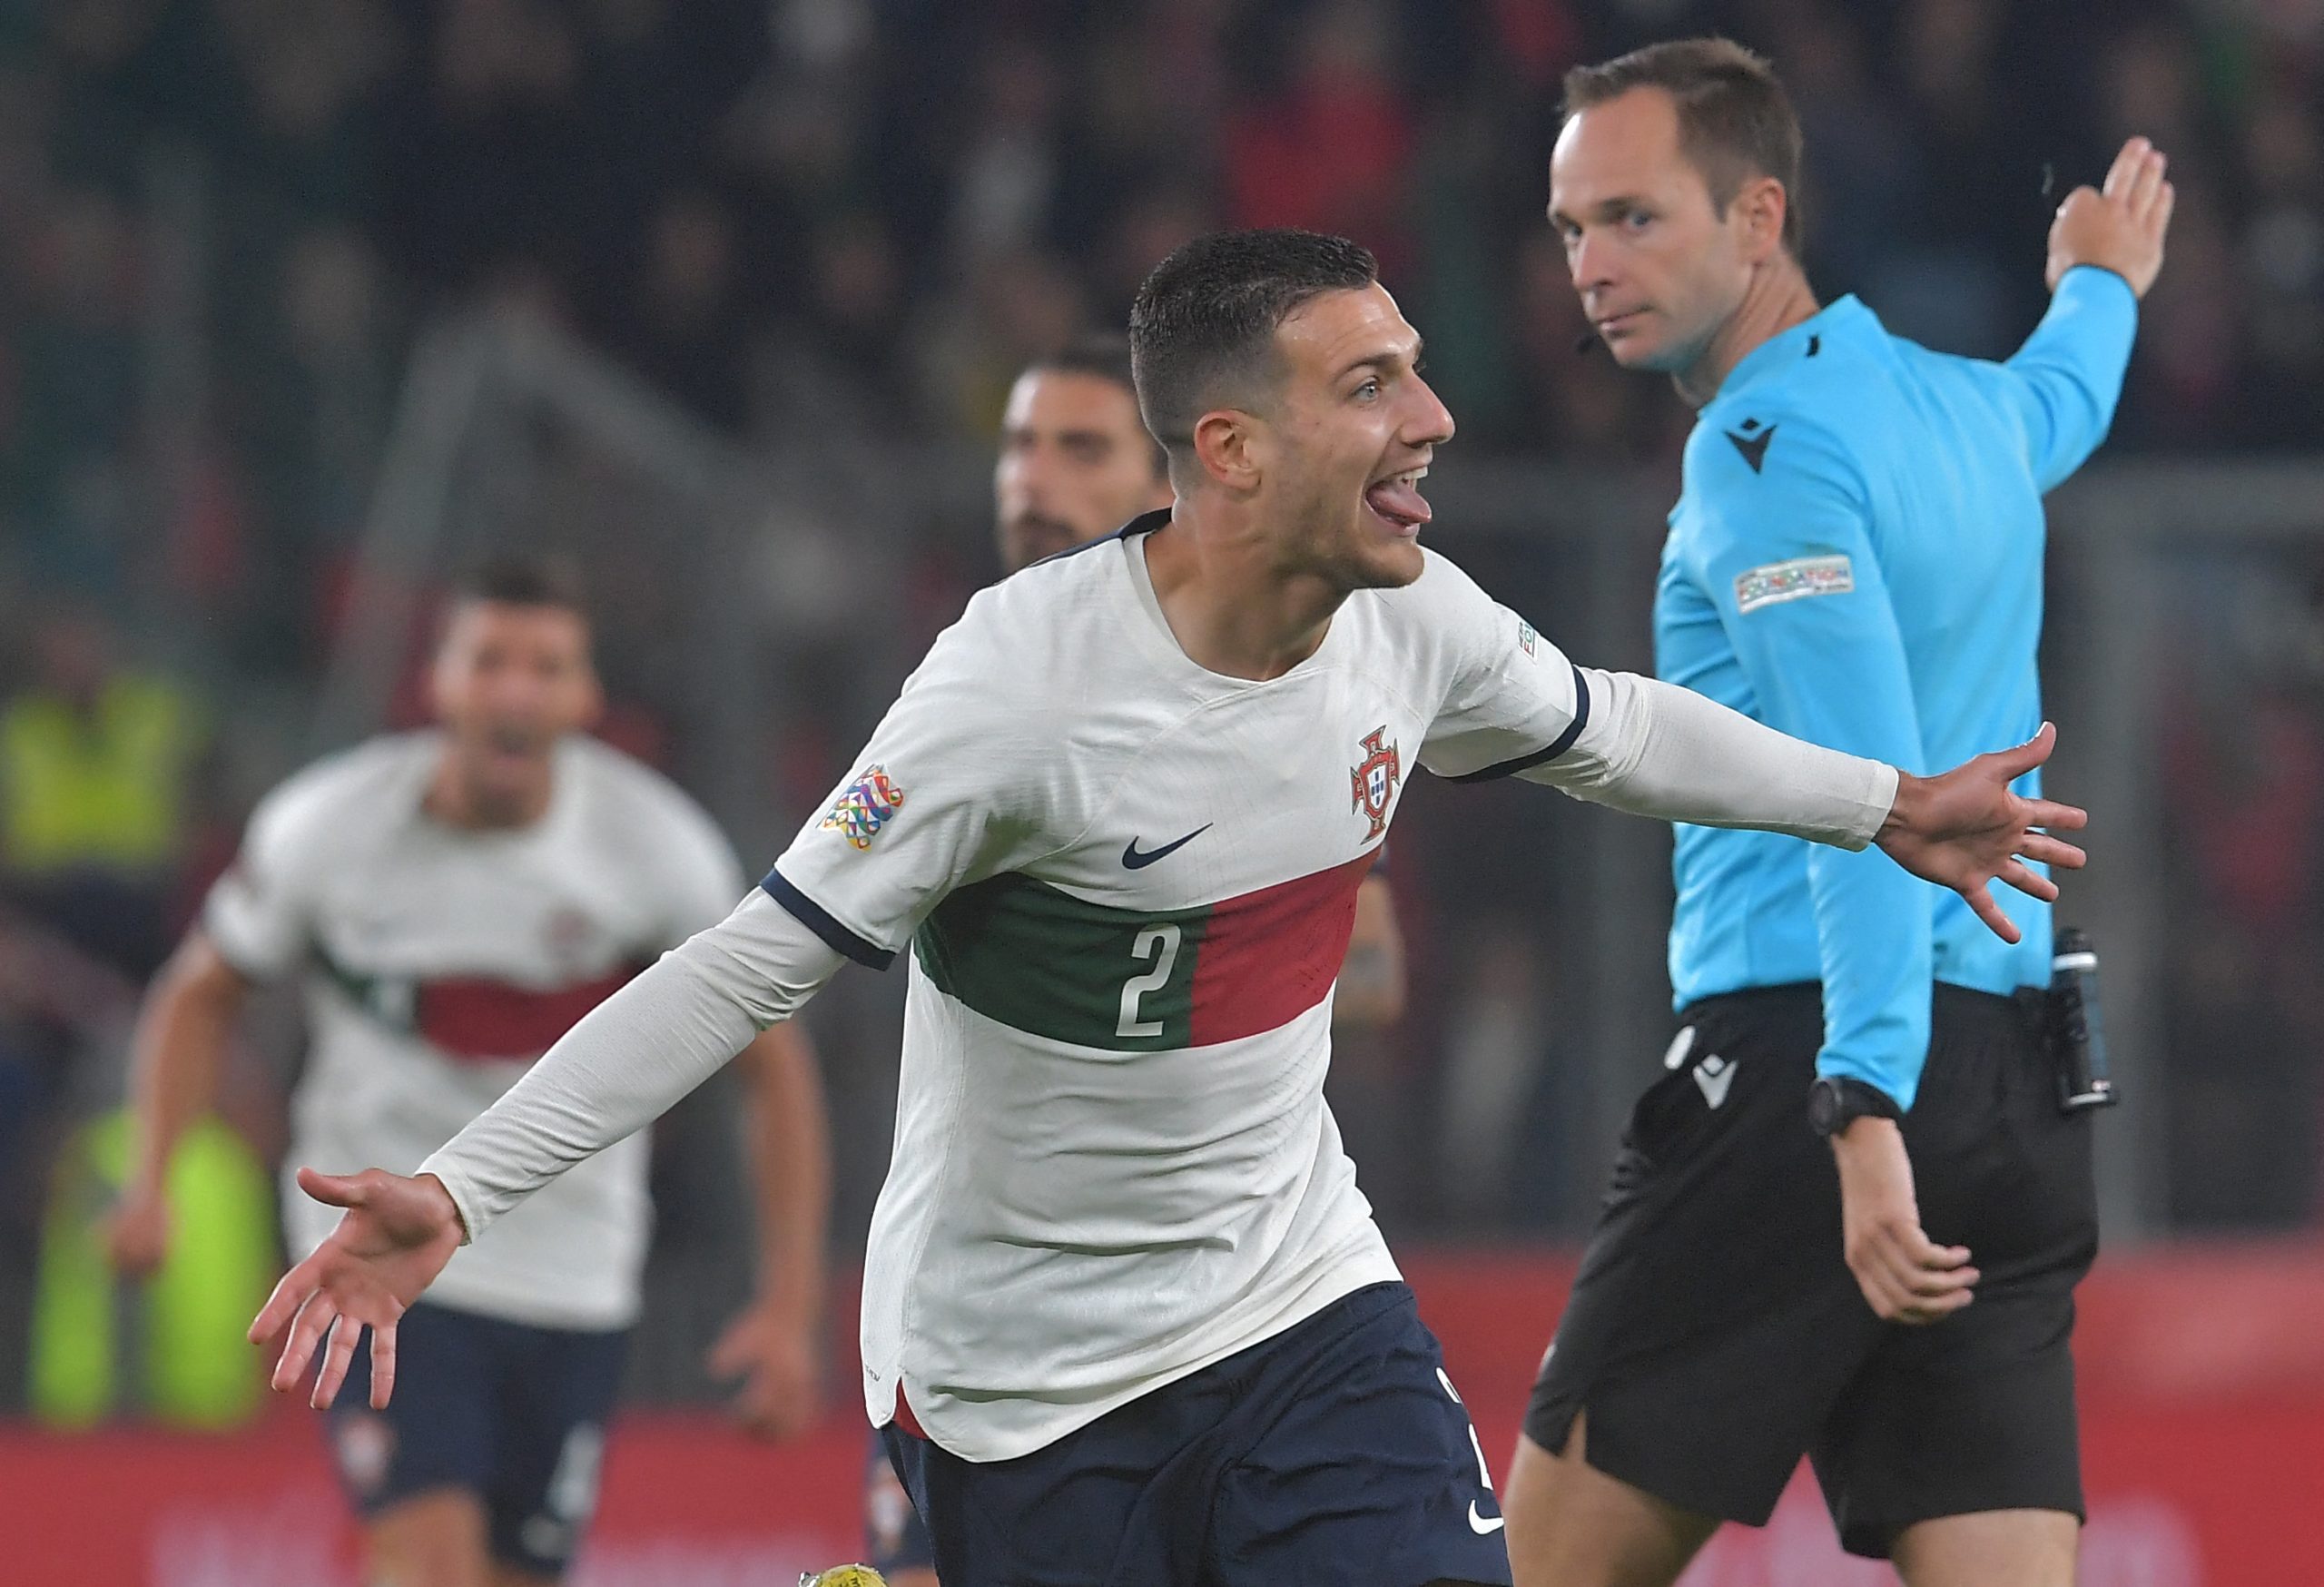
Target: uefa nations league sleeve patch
[(864, 807), (1774, 582)]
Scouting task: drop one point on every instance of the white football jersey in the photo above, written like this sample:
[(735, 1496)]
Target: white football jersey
[(1127, 884), (439, 963)]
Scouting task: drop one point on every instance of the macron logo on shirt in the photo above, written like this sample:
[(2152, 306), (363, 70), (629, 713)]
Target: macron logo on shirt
[(1753, 448)]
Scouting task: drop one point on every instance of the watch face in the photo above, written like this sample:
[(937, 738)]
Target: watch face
[(1824, 1107)]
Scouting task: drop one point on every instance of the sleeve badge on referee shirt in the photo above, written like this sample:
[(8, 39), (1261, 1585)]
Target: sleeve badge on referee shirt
[(864, 807), (1774, 582)]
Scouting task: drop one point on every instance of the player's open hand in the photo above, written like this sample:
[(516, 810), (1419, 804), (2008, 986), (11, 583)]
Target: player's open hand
[(774, 1354), (2119, 227), (1905, 1276), (1965, 829), (396, 1237)]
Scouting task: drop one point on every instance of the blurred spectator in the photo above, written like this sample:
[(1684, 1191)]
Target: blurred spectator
[(1020, 307), (76, 402), (1328, 149), (1006, 177), (95, 792), (686, 328)]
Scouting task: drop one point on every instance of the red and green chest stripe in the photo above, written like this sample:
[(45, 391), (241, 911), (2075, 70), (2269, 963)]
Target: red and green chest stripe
[(1039, 959)]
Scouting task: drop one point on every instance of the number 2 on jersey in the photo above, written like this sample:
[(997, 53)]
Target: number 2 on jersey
[(1164, 939)]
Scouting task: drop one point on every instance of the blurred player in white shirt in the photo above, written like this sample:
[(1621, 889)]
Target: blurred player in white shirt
[(453, 900)]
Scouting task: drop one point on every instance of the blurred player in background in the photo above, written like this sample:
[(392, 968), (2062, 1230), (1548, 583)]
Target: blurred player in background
[(1077, 462), (1858, 560), (454, 899), (1127, 1317)]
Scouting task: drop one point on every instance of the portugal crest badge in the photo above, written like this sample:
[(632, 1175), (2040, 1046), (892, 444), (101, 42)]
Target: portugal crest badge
[(1374, 779)]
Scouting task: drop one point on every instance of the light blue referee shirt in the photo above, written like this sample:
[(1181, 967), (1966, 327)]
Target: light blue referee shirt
[(1857, 559)]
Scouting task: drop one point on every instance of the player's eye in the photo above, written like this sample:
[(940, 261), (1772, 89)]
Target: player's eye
[(1369, 389), (1636, 220)]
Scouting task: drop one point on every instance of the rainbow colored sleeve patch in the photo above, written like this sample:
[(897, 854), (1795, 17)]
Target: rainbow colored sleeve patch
[(865, 806)]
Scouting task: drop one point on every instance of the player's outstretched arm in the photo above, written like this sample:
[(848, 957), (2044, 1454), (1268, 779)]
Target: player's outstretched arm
[(396, 1237), (1964, 829), (1655, 749)]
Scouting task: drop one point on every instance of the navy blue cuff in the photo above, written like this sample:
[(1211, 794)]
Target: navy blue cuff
[(818, 920), (1563, 742)]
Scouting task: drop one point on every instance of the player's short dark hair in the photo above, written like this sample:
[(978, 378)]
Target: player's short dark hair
[(1102, 355), (1202, 330), (1735, 120), (518, 578)]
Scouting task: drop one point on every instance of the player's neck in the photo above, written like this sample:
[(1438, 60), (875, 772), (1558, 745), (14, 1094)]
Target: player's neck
[(1778, 299), (458, 802), (1230, 609)]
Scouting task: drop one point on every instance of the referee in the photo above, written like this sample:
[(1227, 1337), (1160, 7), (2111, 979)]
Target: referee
[(1855, 559)]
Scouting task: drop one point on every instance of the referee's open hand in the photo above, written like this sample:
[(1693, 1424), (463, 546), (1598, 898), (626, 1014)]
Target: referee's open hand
[(1905, 1276), (1964, 828), (2119, 227)]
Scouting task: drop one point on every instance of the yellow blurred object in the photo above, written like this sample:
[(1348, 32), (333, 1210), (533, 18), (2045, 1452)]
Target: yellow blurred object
[(194, 1367), (845, 1576), (103, 787)]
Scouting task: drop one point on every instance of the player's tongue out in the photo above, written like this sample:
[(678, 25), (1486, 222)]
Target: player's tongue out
[(1398, 498)]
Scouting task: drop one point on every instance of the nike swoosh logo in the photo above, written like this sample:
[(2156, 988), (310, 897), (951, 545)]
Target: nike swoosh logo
[(1483, 1525), (1136, 861), (1755, 447)]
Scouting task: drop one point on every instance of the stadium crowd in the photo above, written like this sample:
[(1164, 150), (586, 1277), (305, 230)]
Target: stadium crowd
[(223, 221)]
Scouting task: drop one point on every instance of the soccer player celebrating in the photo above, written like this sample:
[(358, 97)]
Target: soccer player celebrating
[(456, 899), (1855, 559), (1076, 462), (1127, 1317)]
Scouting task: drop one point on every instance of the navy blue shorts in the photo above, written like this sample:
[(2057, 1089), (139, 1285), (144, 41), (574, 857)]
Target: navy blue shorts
[(894, 1538), (512, 1413), (1334, 1452)]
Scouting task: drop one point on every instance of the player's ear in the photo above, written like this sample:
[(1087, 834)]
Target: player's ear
[(1762, 205), (1227, 445)]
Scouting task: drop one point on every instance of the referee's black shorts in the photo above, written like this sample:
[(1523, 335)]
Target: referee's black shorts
[(1715, 1334)]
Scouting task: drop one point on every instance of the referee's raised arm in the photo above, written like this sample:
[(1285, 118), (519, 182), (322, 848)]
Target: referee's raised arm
[(2105, 250)]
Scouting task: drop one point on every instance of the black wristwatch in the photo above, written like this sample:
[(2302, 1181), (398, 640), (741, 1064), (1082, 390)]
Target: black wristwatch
[(1833, 1104)]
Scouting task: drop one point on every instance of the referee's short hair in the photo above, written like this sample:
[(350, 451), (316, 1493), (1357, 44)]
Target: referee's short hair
[(1202, 330), (1735, 120), (1101, 355)]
